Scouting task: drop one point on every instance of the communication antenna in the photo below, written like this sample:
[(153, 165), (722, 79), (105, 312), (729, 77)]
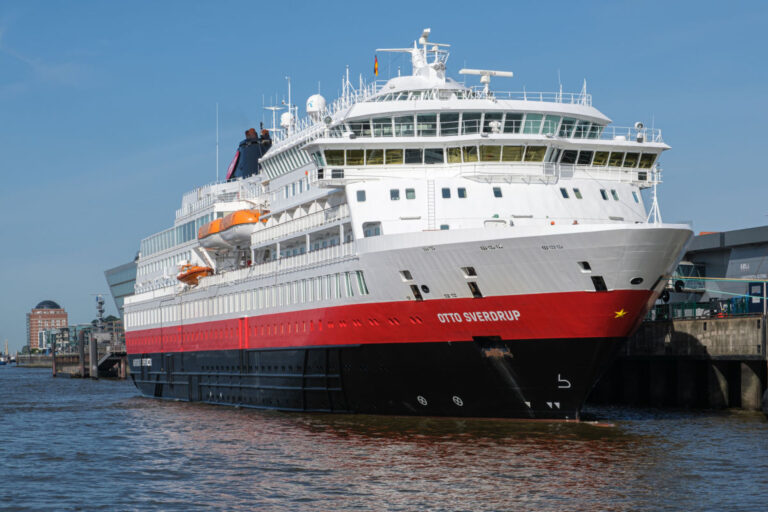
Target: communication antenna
[(485, 76), (655, 212)]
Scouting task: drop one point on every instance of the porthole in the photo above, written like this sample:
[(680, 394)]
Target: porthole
[(425, 288), (636, 280)]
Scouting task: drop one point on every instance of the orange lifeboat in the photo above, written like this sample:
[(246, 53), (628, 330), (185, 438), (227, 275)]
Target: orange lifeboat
[(236, 228), (190, 274), (209, 235)]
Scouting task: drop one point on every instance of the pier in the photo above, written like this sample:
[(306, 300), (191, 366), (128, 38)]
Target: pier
[(690, 362), (111, 362)]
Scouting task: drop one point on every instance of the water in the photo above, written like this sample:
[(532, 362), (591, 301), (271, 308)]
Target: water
[(71, 444)]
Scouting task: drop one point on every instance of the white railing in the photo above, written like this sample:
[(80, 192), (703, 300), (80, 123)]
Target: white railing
[(292, 263), (630, 133), (300, 224), (571, 98), (553, 172), (220, 192)]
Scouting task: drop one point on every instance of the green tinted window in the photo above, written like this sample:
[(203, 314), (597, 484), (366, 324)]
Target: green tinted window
[(512, 123), (631, 159), (566, 127), (616, 159), (404, 126), (601, 158), (449, 124), (334, 156), (355, 157), (551, 123), (532, 123), (646, 161), (374, 157), (535, 153), (454, 155), (394, 156), (470, 122), (582, 129), (382, 127), (491, 117), (470, 153), (594, 131), (490, 153), (413, 156), (512, 154)]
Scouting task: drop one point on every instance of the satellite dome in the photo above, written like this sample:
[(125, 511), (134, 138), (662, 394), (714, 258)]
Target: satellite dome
[(47, 304)]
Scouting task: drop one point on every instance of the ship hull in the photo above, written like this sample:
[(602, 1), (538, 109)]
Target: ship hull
[(485, 377)]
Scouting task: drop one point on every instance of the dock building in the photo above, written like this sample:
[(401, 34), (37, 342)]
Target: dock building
[(45, 315)]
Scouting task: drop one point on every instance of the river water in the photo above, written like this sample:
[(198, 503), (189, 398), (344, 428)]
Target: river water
[(70, 444)]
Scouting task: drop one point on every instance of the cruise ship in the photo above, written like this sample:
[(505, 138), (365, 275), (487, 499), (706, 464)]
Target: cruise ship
[(416, 247)]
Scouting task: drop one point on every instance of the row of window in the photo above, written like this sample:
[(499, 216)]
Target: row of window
[(297, 187), (603, 158), (284, 162), (171, 261), (468, 123), (603, 193), (176, 235), (331, 286), (417, 156)]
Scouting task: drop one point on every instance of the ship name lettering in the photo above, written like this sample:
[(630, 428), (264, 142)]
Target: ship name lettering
[(447, 318)]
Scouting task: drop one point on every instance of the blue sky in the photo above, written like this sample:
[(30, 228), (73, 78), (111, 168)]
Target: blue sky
[(107, 109)]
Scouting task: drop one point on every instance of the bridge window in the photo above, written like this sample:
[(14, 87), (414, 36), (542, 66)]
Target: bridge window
[(512, 123), (470, 122), (585, 157), (454, 155), (594, 131), (433, 156), (630, 160), (334, 156), (532, 123), (512, 154), (569, 156), (535, 153), (646, 160), (382, 127), (470, 153), (490, 153), (413, 156), (449, 124), (551, 124), (492, 117), (394, 156), (616, 159), (566, 127), (404, 126), (582, 128), (374, 156), (355, 157), (360, 128), (601, 158)]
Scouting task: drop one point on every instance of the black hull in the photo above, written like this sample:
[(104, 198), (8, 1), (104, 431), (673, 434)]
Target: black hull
[(532, 379)]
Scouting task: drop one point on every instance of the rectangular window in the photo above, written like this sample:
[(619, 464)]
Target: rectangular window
[(535, 153), (512, 154), (410, 193), (446, 193), (569, 156), (630, 160), (582, 129), (426, 125), (616, 159), (564, 192), (490, 153), (444, 227), (551, 124), (604, 194), (394, 156), (355, 156), (532, 123), (566, 127), (461, 192), (361, 283), (394, 194), (382, 127), (413, 156), (601, 158), (492, 122), (634, 195), (449, 124), (470, 122), (512, 123), (361, 196), (374, 157), (433, 156), (646, 160), (470, 153), (454, 155), (403, 126), (360, 128), (594, 131), (334, 156), (577, 193), (614, 195), (496, 191), (585, 157)]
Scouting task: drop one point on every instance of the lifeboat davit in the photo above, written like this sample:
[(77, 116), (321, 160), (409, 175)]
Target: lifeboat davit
[(209, 236), (236, 228), (190, 274)]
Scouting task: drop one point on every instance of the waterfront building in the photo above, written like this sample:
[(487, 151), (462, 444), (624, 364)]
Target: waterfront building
[(46, 315)]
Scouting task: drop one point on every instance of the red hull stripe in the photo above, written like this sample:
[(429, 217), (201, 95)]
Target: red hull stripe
[(519, 317)]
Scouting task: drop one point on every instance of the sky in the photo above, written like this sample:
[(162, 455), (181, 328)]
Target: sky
[(107, 109)]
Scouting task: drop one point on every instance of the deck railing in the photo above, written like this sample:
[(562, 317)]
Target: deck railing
[(300, 224)]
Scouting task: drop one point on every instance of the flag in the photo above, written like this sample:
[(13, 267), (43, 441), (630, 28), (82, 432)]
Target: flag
[(376, 65)]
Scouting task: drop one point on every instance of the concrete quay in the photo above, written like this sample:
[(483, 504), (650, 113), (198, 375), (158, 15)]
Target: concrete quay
[(109, 364), (690, 363)]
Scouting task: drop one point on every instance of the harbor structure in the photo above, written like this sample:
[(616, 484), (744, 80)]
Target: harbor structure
[(47, 314)]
